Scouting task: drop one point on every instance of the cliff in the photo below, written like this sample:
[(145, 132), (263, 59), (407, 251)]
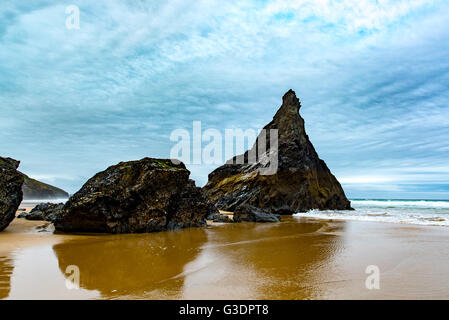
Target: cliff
[(34, 190)]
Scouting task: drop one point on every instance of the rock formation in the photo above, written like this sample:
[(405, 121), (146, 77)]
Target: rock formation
[(301, 182), (248, 213), (36, 190), (135, 197), (10, 190), (43, 212)]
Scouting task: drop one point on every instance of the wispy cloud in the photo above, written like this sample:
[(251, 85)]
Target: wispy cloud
[(373, 78)]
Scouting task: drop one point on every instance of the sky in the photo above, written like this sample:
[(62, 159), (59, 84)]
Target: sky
[(372, 77)]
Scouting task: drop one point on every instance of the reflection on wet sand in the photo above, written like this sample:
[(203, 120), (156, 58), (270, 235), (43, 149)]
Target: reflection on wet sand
[(6, 270), (294, 259), (264, 261), (237, 261), (145, 266)]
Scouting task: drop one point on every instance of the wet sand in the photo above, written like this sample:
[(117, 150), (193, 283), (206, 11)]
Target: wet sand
[(294, 259)]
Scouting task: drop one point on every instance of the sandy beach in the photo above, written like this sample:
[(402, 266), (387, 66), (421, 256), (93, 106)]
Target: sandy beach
[(299, 258)]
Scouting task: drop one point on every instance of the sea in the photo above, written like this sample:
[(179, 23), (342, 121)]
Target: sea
[(420, 212)]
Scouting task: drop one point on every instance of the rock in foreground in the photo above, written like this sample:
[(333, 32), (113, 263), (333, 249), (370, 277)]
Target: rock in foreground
[(135, 197), (43, 212), (301, 182), (10, 190), (250, 213)]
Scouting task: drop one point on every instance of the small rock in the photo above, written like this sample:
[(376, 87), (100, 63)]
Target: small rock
[(248, 213), (43, 212)]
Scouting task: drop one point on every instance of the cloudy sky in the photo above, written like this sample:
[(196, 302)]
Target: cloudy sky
[(373, 78)]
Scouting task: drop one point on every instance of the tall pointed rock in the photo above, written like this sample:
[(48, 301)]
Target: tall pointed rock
[(301, 182)]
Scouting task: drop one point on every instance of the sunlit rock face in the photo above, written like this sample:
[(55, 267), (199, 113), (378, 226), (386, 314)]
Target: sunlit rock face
[(11, 195), (300, 182), (142, 196)]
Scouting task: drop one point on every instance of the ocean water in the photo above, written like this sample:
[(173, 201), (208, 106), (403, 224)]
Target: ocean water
[(36, 202), (420, 212)]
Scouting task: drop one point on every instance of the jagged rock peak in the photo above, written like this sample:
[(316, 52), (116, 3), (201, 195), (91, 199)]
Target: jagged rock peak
[(299, 181), (290, 106), (287, 119), (8, 162), (290, 100)]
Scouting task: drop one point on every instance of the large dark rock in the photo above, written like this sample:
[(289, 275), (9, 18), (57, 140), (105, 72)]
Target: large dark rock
[(248, 213), (301, 182), (135, 197), (36, 190), (43, 212), (10, 190)]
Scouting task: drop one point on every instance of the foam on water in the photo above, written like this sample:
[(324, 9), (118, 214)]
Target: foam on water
[(421, 212), (25, 202), (401, 203)]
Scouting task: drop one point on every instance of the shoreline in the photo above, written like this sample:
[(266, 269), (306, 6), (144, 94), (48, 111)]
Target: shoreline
[(294, 259), (22, 233), (404, 223)]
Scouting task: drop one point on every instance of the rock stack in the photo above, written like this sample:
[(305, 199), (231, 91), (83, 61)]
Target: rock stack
[(300, 182)]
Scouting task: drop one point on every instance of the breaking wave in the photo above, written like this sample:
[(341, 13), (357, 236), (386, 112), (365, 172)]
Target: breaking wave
[(420, 212)]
